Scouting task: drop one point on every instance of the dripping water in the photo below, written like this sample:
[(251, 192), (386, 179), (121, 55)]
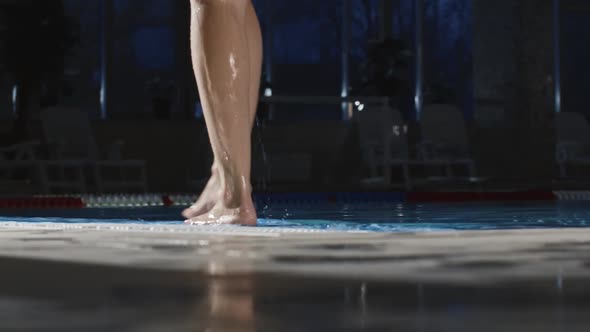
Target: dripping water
[(263, 179)]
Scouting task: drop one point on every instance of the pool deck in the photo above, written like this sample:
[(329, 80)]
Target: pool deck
[(449, 256), (98, 258)]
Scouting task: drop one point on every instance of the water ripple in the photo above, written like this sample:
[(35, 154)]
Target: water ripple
[(363, 217)]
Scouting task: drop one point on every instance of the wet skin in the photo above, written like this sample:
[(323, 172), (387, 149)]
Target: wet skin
[(226, 47)]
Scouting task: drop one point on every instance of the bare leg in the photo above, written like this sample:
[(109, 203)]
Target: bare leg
[(225, 70), (208, 197)]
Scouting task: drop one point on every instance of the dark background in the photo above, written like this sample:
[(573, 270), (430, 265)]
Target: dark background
[(477, 53)]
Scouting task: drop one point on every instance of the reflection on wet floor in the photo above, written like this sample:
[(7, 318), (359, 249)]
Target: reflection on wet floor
[(56, 278), (249, 303)]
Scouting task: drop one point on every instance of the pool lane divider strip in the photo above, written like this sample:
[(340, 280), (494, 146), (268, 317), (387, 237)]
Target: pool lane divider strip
[(572, 195), (302, 199)]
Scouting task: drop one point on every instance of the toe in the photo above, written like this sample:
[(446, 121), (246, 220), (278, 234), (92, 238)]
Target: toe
[(191, 212), (198, 209)]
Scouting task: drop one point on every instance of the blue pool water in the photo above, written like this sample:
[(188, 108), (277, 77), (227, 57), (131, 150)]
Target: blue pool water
[(365, 217)]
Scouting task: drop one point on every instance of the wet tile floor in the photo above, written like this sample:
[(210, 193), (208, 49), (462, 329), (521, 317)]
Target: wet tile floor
[(88, 277)]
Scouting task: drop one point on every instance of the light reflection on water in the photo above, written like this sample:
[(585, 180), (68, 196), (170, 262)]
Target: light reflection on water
[(380, 217)]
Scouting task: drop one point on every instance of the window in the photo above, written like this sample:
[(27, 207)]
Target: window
[(82, 71), (143, 59), (448, 61), (575, 49)]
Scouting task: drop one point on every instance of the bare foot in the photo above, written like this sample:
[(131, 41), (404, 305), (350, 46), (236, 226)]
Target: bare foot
[(208, 198), (223, 202), (221, 215)]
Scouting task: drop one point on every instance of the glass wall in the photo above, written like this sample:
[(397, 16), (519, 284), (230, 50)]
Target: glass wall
[(383, 61), (303, 43), (448, 57), (575, 52), (150, 65), (403, 29), (5, 104), (82, 79), (143, 59)]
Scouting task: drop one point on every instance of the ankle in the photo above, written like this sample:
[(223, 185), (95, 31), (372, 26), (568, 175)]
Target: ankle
[(215, 169)]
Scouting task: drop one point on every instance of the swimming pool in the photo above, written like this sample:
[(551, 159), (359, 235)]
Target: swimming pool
[(415, 278), (373, 217)]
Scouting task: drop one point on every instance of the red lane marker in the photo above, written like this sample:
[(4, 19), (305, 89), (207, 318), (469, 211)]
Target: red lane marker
[(42, 203), (167, 201), (77, 203)]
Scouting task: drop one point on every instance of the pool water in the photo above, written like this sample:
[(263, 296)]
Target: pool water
[(350, 217)]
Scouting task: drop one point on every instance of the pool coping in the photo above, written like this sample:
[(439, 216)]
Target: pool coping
[(550, 256)]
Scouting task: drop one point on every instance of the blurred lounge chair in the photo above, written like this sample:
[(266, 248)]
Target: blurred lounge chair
[(383, 140), (573, 141), (69, 134), (444, 140), (21, 171), (18, 170)]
